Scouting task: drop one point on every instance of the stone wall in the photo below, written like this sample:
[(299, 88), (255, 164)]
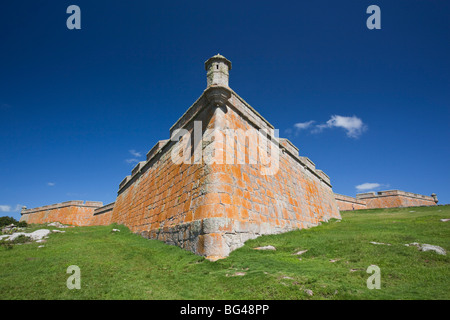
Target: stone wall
[(102, 216), (77, 213), (395, 198), (349, 203), (384, 199), (213, 208), (161, 199)]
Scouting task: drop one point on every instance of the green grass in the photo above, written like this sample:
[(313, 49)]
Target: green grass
[(125, 266)]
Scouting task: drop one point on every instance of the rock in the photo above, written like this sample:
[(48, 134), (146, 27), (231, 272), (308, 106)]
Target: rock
[(309, 292), (334, 260), (36, 235), (115, 230), (428, 247), (11, 228), (265, 248), (373, 242), (413, 244), (57, 225), (236, 274), (445, 220), (300, 252), (58, 231)]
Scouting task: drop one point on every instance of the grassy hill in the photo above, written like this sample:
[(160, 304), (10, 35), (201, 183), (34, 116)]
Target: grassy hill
[(123, 265)]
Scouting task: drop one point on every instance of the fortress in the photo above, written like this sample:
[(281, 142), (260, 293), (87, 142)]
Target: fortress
[(384, 199), (223, 177)]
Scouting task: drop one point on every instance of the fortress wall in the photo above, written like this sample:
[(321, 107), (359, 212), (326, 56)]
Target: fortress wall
[(102, 216), (77, 213), (394, 198), (164, 200), (213, 208), (296, 196), (248, 203), (349, 203)]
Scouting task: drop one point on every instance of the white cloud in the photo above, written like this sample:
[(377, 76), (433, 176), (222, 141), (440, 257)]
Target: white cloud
[(368, 186), (353, 126), (5, 208), (135, 153), (131, 160), (51, 184), (304, 125)]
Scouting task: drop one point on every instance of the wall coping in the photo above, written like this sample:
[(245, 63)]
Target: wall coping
[(72, 203), (390, 193), (342, 197), (105, 208)]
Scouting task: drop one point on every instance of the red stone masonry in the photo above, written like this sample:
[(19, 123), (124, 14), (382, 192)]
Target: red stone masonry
[(384, 199), (348, 203), (395, 198), (77, 213)]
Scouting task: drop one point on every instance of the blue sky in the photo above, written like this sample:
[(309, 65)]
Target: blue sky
[(79, 107)]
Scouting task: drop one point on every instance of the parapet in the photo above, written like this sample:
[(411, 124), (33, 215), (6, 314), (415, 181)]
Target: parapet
[(137, 168), (285, 143), (308, 163), (156, 148), (72, 203), (323, 176), (104, 209), (124, 182), (390, 193)]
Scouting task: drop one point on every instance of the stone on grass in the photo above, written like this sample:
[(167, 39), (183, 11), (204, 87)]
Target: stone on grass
[(386, 244), (265, 248), (309, 292), (36, 235), (428, 247), (57, 225), (334, 260), (300, 252)]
